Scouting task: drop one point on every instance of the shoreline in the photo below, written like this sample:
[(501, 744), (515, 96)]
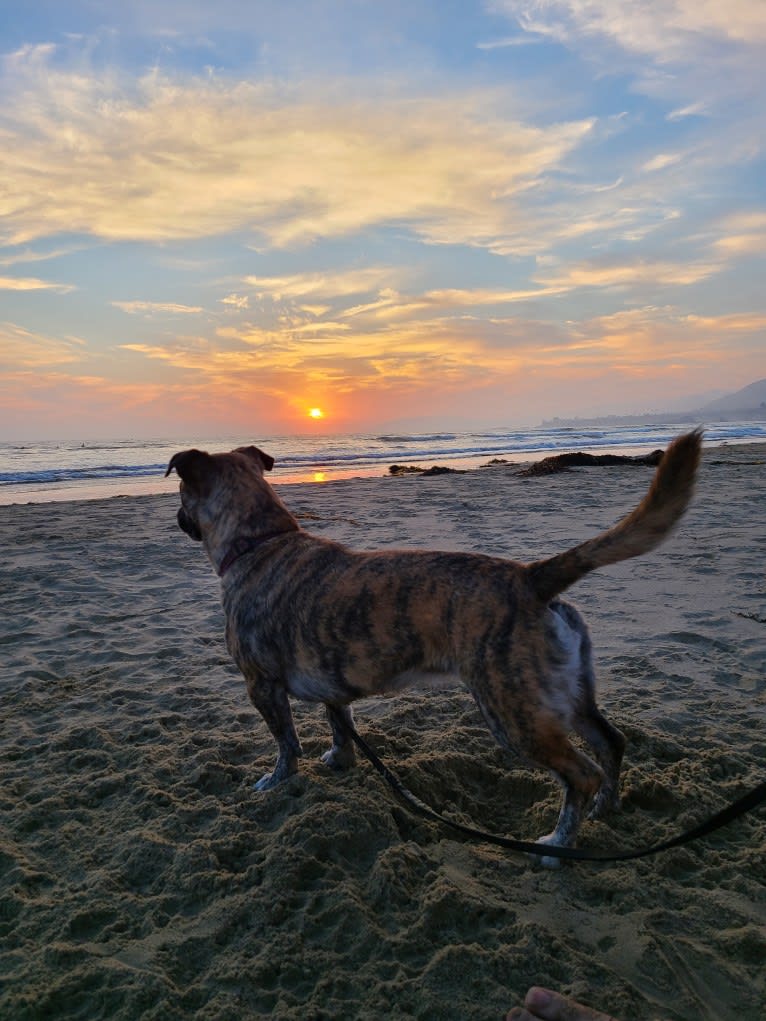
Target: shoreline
[(23, 494)]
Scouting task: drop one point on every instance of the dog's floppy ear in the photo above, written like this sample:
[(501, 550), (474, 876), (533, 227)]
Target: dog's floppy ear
[(265, 461), (193, 466)]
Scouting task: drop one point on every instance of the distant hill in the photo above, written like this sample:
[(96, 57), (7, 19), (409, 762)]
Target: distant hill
[(749, 403), (746, 399)]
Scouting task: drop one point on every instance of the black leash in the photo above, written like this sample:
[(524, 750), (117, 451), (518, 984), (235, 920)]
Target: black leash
[(733, 811)]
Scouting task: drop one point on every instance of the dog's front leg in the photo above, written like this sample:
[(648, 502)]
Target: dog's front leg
[(271, 701)]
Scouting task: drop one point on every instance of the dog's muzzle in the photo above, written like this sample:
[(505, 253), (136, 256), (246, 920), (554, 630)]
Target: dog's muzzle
[(186, 524)]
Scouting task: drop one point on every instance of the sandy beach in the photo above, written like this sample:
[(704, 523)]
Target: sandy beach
[(141, 877)]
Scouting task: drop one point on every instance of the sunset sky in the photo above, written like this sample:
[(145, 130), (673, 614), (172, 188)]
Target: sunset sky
[(216, 217)]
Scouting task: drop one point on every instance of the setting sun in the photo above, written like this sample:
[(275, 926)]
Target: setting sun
[(316, 413)]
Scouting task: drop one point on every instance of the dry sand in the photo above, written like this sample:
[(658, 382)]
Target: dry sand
[(141, 876)]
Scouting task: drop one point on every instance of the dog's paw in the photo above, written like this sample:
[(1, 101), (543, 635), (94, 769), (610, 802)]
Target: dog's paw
[(286, 765), (547, 861), (340, 757), (266, 783)]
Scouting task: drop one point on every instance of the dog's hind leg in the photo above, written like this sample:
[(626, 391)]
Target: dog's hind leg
[(606, 742), (542, 740), (579, 777), (342, 755), (608, 745)]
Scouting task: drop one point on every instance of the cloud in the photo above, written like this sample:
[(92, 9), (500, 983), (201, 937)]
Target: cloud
[(389, 307), (742, 234), (316, 328), (692, 110), (749, 220), (434, 350), (661, 161), (628, 274), (177, 355), (28, 255), (41, 401), (739, 322), (663, 29), (21, 349), (650, 350), (507, 42), (32, 284), (706, 53), (164, 159), (337, 284), (157, 307), (392, 305), (735, 245), (238, 301)]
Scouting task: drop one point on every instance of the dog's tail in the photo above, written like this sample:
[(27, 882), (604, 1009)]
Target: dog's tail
[(642, 530)]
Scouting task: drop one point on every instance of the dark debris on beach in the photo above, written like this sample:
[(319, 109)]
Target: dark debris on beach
[(563, 462), (411, 469), (548, 466)]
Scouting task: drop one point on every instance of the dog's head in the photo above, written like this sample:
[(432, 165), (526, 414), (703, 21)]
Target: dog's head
[(218, 490)]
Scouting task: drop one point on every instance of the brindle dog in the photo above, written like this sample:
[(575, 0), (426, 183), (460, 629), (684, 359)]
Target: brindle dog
[(309, 618)]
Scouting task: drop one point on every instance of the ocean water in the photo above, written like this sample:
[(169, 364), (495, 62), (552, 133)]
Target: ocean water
[(43, 471)]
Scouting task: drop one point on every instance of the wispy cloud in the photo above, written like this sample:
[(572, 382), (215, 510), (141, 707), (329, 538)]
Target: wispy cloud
[(32, 284), (238, 301), (173, 159), (627, 274), (389, 305), (692, 110), (157, 307), (711, 52), (507, 42), (465, 354), (22, 349), (742, 322), (663, 29), (338, 284), (661, 161), (30, 255)]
